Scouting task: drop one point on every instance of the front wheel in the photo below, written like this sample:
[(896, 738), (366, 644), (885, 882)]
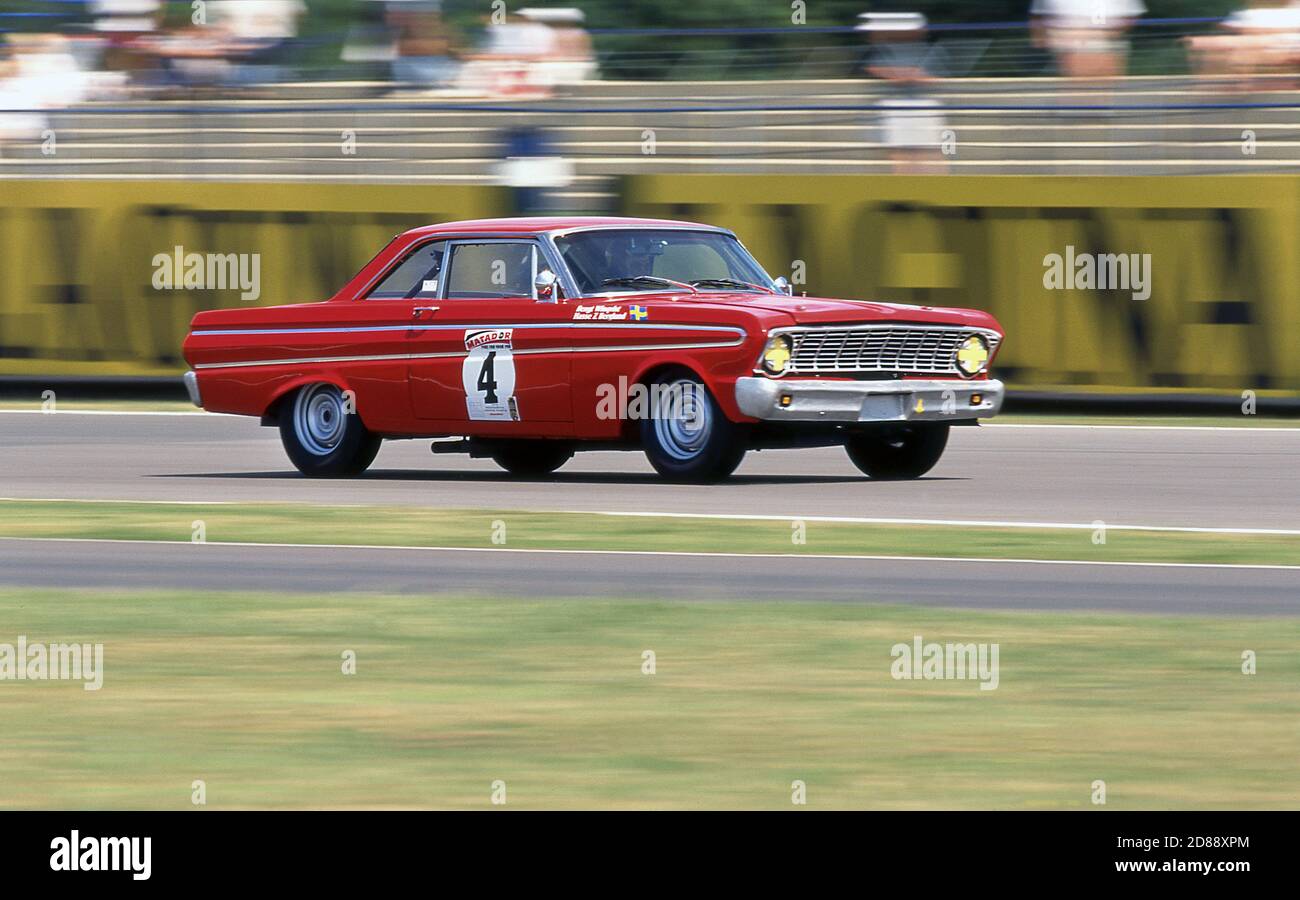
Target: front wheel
[(532, 458), (898, 451), (322, 437), (686, 435)]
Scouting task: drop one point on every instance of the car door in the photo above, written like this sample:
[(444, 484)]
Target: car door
[(491, 351)]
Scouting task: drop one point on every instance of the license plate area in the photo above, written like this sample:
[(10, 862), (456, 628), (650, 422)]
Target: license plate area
[(881, 407)]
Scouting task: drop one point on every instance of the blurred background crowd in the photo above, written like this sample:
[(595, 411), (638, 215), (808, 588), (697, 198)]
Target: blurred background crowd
[(70, 49), (1022, 86)]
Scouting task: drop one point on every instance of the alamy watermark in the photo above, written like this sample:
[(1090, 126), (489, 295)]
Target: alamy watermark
[(37, 661), (179, 270), (1073, 271), (938, 662), (647, 401), (75, 853)]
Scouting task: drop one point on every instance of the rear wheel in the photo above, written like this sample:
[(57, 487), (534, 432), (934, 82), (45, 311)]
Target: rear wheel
[(686, 436), (898, 451), (323, 439), (532, 458)]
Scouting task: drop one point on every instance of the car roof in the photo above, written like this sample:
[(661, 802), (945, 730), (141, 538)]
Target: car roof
[(548, 224)]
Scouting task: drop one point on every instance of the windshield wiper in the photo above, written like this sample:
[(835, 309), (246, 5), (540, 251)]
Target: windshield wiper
[(730, 282), (649, 279)]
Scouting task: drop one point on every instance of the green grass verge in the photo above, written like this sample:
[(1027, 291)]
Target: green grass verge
[(246, 693), (309, 524)]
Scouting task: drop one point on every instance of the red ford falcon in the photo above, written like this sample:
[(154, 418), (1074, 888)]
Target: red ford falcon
[(525, 340)]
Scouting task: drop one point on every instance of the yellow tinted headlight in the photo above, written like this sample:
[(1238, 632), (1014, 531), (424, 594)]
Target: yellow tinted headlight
[(776, 355), (973, 355)]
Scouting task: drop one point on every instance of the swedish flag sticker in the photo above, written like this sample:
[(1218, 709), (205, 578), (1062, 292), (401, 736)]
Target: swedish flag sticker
[(639, 312)]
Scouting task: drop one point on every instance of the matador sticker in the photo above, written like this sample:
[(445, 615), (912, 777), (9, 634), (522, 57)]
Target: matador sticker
[(489, 375)]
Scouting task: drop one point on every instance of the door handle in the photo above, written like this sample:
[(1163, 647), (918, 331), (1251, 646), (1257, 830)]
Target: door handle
[(419, 311)]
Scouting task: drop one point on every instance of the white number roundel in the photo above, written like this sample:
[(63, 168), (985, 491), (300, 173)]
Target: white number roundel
[(488, 376)]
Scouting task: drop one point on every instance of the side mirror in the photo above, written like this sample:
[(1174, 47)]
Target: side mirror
[(783, 285), (547, 285)]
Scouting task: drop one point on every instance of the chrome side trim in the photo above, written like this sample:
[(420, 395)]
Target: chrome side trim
[(927, 326), (313, 360), (363, 329), (868, 401)]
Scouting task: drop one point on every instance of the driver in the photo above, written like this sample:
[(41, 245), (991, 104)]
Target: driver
[(633, 257)]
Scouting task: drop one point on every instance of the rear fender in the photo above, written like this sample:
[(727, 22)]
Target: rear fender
[(271, 414)]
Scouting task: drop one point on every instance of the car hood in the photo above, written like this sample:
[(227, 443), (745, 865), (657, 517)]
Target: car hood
[(828, 311)]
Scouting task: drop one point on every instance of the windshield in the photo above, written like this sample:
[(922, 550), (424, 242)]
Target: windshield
[(645, 259)]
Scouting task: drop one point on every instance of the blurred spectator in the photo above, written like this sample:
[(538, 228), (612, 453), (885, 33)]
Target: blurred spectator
[(1260, 39), (1087, 37), (532, 53), (120, 23), (911, 122), (40, 72), (258, 34), (532, 171), (124, 16), (569, 59), (424, 50), (370, 40), (240, 42)]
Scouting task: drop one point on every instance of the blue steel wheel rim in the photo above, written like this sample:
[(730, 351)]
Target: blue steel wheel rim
[(319, 419), (684, 420)]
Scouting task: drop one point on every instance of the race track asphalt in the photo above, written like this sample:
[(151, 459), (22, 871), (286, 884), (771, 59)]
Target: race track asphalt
[(505, 573), (1223, 478), (1242, 478)]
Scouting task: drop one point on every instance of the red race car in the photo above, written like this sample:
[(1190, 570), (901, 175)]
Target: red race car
[(527, 339)]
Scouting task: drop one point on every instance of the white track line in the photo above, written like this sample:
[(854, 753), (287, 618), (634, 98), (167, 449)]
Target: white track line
[(736, 517), (963, 523), (687, 553), (1246, 428), (254, 503)]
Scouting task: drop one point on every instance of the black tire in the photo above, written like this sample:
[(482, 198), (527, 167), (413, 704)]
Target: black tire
[(709, 452), (322, 440), (531, 458), (898, 451)]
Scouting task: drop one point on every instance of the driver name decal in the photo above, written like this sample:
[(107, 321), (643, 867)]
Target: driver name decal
[(602, 312)]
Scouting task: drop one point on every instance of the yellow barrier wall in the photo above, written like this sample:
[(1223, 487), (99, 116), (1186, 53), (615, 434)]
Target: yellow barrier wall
[(1224, 310), (77, 258)]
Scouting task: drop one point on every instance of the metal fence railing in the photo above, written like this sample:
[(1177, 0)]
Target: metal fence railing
[(987, 126)]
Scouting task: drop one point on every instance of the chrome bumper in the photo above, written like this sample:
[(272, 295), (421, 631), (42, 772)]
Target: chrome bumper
[(868, 401), (192, 386)]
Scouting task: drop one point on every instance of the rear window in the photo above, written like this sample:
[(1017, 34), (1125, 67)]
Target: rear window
[(415, 276)]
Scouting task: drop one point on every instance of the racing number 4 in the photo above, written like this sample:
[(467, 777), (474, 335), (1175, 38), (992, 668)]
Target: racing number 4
[(487, 383)]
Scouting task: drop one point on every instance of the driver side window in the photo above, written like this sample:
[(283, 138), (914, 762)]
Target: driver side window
[(492, 269)]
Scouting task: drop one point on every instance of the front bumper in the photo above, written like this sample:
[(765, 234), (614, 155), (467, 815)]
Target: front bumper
[(192, 386), (812, 400)]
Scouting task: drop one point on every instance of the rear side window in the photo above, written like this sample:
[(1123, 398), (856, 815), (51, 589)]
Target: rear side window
[(416, 276)]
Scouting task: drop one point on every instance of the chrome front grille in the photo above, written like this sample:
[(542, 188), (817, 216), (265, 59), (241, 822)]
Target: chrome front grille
[(911, 349)]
